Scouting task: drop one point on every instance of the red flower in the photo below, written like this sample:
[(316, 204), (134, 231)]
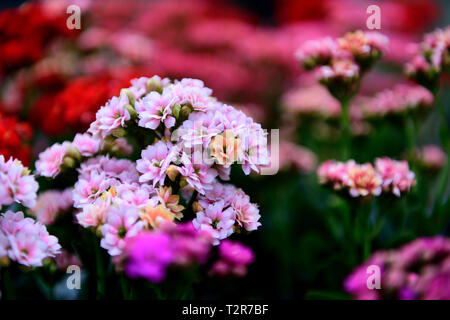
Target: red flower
[(14, 138)]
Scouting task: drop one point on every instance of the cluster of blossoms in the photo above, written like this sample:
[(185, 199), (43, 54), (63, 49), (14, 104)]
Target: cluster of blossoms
[(340, 63), (294, 156), (25, 241), (432, 59), (399, 100), (51, 204), (418, 270), (185, 142), (361, 180), (16, 183), (151, 253), (431, 157), (234, 259)]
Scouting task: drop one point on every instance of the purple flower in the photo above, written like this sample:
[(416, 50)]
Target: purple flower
[(148, 256)]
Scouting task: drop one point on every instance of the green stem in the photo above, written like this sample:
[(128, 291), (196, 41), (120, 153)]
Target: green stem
[(126, 291), (9, 293), (443, 178), (100, 271), (345, 130), (411, 136)]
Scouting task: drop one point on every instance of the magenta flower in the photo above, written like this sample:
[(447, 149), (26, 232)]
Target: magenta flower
[(148, 255), (418, 270), (234, 259)]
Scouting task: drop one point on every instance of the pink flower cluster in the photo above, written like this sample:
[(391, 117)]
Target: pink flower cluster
[(361, 180), (50, 204), (340, 63), (16, 183), (402, 98), (234, 259), (223, 209), (187, 142), (149, 254), (418, 270), (25, 241), (432, 58), (431, 157)]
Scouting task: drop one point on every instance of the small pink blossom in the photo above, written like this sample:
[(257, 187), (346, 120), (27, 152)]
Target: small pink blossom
[(216, 220), (86, 144), (50, 160), (121, 224)]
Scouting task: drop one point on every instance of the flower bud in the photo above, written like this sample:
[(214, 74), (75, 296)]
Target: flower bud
[(183, 182), (119, 132), (172, 172), (154, 85), (131, 111), (176, 110), (129, 94), (185, 111), (69, 162), (73, 152), (197, 207)]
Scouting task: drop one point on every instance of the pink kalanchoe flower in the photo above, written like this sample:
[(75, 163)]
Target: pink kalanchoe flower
[(247, 214), (364, 45), (87, 189), (432, 157), (312, 100), (418, 270), (334, 173), (199, 177), (216, 220), (346, 70), (156, 108), (94, 214), (50, 160), (192, 92), (50, 204), (121, 223), (86, 144), (363, 180), (293, 155), (188, 244), (148, 255), (154, 163), (16, 184), (317, 52), (29, 243), (111, 116), (396, 175), (234, 259)]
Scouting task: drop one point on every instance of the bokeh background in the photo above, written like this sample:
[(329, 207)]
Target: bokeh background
[(54, 79)]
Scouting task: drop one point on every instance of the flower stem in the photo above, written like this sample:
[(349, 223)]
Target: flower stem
[(100, 271), (8, 285), (443, 178), (345, 130)]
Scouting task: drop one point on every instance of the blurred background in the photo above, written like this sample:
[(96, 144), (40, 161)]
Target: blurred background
[(52, 81)]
